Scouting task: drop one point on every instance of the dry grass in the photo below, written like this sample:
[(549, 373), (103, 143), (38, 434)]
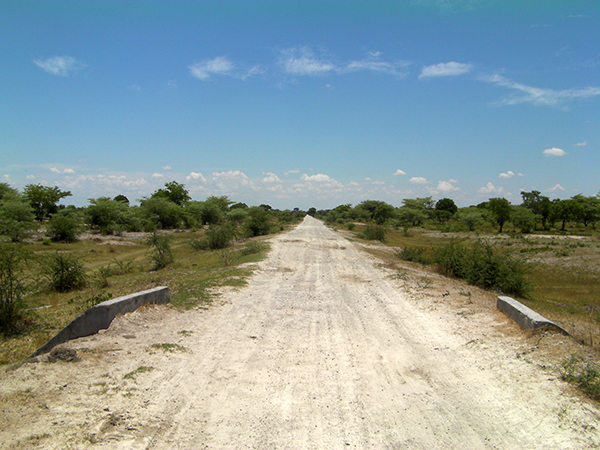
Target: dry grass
[(191, 279)]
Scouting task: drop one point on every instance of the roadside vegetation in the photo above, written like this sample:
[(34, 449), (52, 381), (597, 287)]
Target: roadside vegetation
[(56, 261), (545, 253)]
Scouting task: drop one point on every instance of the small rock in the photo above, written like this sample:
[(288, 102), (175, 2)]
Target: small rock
[(64, 354)]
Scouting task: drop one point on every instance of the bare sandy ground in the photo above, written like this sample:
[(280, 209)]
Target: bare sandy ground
[(324, 349)]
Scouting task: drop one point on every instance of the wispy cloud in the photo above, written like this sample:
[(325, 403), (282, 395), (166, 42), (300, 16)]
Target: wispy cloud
[(302, 61), (60, 65), (539, 96), (489, 188), (448, 69), (508, 174), (556, 188), (57, 170), (581, 144), (217, 66), (554, 152)]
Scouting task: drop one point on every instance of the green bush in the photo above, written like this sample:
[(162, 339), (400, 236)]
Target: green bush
[(12, 286), (220, 236), (585, 376), (65, 272), (252, 248), (413, 254), (259, 222), (198, 244), (482, 265), (374, 233), (161, 250), (64, 227)]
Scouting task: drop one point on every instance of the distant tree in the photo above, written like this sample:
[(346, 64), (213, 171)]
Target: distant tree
[(523, 218), (566, 211), (445, 208), (539, 204), (500, 210), (590, 209), (64, 226), (471, 217), (107, 215), (174, 192), (412, 216), (259, 221), (239, 205), (370, 206), (44, 199), (383, 213), (312, 211), (7, 190), (121, 198), (265, 207), (160, 212), (17, 218)]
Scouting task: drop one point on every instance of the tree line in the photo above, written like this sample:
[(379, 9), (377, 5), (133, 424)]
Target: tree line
[(169, 207), (536, 212)]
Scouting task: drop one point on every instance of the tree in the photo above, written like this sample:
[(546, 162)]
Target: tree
[(64, 226), (383, 213), (160, 212), (539, 204), (445, 208), (590, 209), (107, 215), (312, 211), (174, 192), (16, 216), (259, 221), (566, 211), (500, 209), (121, 198), (471, 217), (44, 199), (523, 218)]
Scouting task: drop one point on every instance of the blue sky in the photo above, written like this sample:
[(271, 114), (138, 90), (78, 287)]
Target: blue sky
[(302, 103)]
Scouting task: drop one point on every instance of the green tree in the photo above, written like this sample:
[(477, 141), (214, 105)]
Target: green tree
[(500, 211), (106, 215), (13, 258), (383, 213), (160, 212), (445, 208), (566, 211), (44, 199), (16, 216), (121, 198), (312, 211), (64, 226), (174, 192), (590, 209), (523, 218), (259, 221), (539, 204), (471, 217)]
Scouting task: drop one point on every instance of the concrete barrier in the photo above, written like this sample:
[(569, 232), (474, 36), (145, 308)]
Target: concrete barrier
[(524, 316), (100, 316)]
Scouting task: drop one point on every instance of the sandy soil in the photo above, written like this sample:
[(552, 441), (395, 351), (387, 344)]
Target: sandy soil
[(324, 349)]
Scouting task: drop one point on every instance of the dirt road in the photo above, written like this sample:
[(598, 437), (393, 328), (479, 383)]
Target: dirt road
[(322, 350)]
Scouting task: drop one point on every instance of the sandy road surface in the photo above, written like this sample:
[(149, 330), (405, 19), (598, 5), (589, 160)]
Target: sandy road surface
[(322, 350)]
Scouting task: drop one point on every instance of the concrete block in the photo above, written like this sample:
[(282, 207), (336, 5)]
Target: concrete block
[(100, 316), (524, 316)]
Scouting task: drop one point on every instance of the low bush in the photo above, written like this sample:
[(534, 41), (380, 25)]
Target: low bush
[(220, 236), (64, 227), (584, 376), (12, 286), (373, 233), (161, 250), (484, 266), (252, 248), (65, 272), (413, 254)]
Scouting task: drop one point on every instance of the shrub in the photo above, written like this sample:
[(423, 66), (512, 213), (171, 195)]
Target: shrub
[(12, 286), (586, 377), (220, 236), (64, 227), (252, 248), (259, 222), (413, 254), (199, 244), (374, 233), (161, 250), (482, 265), (65, 272), (16, 218)]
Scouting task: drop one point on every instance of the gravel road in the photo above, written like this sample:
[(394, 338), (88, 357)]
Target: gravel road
[(322, 349)]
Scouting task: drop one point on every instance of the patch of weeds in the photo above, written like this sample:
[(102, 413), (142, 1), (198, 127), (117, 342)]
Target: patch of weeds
[(227, 256), (161, 250), (142, 369), (252, 248), (102, 276), (198, 244), (373, 233), (170, 348), (562, 252), (38, 437), (186, 333), (97, 299), (424, 283), (584, 375), (413, 254), (65, 272), (123, 267)]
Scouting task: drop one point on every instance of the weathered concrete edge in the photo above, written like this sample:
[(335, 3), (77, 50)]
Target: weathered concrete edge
[(100, 316), (524, 316)]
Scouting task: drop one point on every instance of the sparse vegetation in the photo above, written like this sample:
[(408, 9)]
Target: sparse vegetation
[(585, 375)]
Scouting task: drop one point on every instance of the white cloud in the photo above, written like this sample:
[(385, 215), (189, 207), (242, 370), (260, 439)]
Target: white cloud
[(57, 170), (167, 168), (445, 69), (373, 64), (157, 175), (60, 65), (539, 96), (508, 174), (291, 171), (400, 172), (196, 176), (302, 61), (556, 188), (30, 177), (489, 188), (554, 152), (319, 178), (581, 144), (378, 183), (216, 66), (418, 180), (447, 186), (271, 178)]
